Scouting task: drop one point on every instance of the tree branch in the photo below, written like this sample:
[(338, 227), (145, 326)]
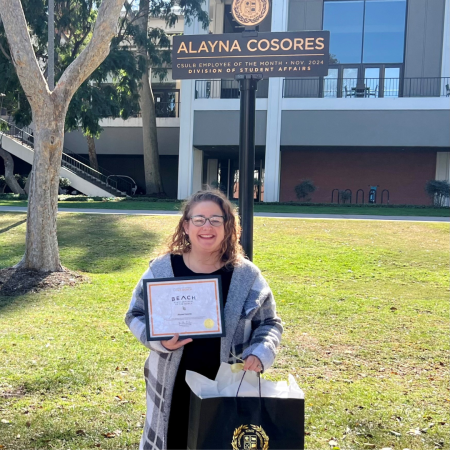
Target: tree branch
[(80, 42), (95, 52), (22, 53)]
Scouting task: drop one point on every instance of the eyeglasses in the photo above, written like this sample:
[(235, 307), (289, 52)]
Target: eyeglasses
[(215, 221)]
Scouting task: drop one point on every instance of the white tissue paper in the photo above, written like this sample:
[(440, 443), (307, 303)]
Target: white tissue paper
[(226, 384)]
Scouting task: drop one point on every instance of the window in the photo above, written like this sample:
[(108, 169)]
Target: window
[(367, 40), (344, 20), (384, 31), (365, 31)]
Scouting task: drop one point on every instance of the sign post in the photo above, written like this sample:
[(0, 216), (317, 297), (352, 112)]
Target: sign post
[(248, 58), (247, 86)]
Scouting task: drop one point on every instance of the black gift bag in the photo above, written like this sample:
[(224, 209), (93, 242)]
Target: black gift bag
[(253, 423)]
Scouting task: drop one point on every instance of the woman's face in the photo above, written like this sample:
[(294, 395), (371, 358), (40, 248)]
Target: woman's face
[(205, 238)]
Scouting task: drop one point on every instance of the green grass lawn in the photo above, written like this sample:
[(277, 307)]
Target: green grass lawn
[(376, 210), (364, 305)]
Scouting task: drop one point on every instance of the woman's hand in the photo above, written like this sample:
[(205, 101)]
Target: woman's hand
[(174, 343), (253, 363)]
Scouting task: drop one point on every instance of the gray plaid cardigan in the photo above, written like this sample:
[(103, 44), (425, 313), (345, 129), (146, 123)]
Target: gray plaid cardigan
[(252, 328)]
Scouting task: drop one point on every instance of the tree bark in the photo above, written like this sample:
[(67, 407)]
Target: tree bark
[(92, 153), (41, 250), (153, 182), (9, 172), (49, 111)]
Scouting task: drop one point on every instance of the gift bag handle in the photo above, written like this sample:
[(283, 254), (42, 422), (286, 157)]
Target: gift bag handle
[(242, 379)]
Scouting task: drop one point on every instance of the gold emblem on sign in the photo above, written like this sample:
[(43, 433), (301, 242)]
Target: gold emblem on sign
[(250, 437), (209, 323), (250, 12)]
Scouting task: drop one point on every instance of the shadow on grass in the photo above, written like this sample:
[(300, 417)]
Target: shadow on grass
[(14, 225), (103, 244), (90, 243)]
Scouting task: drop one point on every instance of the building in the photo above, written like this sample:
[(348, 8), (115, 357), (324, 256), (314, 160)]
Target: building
[(392, 133)]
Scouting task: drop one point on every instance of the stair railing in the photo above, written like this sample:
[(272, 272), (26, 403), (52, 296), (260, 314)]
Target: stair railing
[(79, 165)]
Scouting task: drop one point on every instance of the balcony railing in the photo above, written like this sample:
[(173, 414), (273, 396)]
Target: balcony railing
[(226, 89), (324, 87)]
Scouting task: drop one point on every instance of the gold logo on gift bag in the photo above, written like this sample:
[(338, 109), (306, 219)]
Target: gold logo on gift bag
[(250, 12), (250, 437)]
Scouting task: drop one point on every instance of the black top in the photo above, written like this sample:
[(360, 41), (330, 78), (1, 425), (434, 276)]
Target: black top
[(201, 356)]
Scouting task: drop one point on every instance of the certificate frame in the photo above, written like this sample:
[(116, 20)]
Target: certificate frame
[(155, 334)]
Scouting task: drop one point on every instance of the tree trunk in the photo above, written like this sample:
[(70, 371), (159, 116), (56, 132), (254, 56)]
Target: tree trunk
[(153, 183), (49, 111), (9, 172), (26, 188), (92, 153), (41, 241)]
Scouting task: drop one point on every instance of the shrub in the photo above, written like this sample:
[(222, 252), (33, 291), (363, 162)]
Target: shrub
[(438, 190), (21, 180), (303, 190), (64, 183)]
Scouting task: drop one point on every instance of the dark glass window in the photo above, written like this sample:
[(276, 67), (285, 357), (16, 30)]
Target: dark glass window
[(365, 31), (344, 20), (384, 31)]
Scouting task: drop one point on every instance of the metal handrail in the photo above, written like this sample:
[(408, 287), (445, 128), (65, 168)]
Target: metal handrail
[(68, 161), (122, 185), (327, 87)]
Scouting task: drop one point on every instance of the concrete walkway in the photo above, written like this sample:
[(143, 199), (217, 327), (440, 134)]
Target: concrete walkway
[(258, 214)]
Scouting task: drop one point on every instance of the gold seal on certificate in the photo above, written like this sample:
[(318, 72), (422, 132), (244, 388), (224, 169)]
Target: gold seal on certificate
[(189, 306)]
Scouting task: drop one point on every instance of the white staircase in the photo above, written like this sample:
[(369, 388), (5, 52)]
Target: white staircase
[(83, 178)]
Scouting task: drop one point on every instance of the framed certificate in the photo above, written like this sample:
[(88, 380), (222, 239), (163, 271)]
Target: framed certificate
[(189, 306)]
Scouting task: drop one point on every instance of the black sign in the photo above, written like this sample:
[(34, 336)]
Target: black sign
[(290, 54)]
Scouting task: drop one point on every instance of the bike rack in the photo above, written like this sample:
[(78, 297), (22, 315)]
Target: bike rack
[(357, 193), (332, 195), (382, 194)]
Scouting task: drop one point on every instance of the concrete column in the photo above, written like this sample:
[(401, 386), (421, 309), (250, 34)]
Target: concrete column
[(186, 150), (219, 11), (273, 133), (198, 170), (445, 71), (212, 167)]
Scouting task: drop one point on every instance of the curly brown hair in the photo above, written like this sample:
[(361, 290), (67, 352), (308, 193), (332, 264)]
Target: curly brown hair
[(230, 251)]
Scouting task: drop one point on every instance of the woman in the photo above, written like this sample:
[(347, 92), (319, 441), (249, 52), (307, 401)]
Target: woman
[(206, 242)]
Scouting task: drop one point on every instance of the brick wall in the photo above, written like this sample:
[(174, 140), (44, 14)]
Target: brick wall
[(403, 172)]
